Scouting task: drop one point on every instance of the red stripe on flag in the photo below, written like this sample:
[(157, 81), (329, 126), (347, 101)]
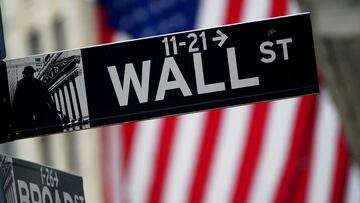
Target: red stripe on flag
[(106, 33), (162, 158), (234, 11), (128, 137), (342, 167), (305, 161), (253, 145), (205, 155), (279, 8), (296, 170)]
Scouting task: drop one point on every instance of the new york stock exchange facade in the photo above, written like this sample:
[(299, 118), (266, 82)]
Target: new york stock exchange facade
[(62, 75)]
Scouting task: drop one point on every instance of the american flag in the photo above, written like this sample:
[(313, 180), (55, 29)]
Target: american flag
[(291, 150)]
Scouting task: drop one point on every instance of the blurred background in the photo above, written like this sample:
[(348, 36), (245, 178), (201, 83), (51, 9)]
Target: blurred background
[(304, 149)]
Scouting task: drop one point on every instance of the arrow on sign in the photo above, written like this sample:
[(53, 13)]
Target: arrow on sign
[(222, 38)]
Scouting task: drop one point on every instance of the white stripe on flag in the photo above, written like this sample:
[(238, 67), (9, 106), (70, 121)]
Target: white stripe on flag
[(120, 36), (293, 7), (256, 9), (353, 185), (114, 151), (211, 13), (228, 154), (142, 160), (183, 157), (274, 151), (326, 136)]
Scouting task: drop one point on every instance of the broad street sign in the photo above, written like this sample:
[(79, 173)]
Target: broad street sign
[(26, 182), (160, 76)]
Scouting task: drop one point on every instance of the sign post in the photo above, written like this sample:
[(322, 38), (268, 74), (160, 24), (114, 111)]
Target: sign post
[(160, 76)]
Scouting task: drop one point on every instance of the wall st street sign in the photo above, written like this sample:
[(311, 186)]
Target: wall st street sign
[(159, 76)]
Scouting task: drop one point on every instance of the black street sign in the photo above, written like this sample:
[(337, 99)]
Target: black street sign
[(23, 181), (160, 76)]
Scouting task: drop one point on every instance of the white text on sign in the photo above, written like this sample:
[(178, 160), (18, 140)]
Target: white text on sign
[(271, 54), (171, 67)]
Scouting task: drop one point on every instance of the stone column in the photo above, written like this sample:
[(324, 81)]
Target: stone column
[(336, 26)]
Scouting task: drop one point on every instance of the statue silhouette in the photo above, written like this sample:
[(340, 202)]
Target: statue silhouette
[(33, 105)]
